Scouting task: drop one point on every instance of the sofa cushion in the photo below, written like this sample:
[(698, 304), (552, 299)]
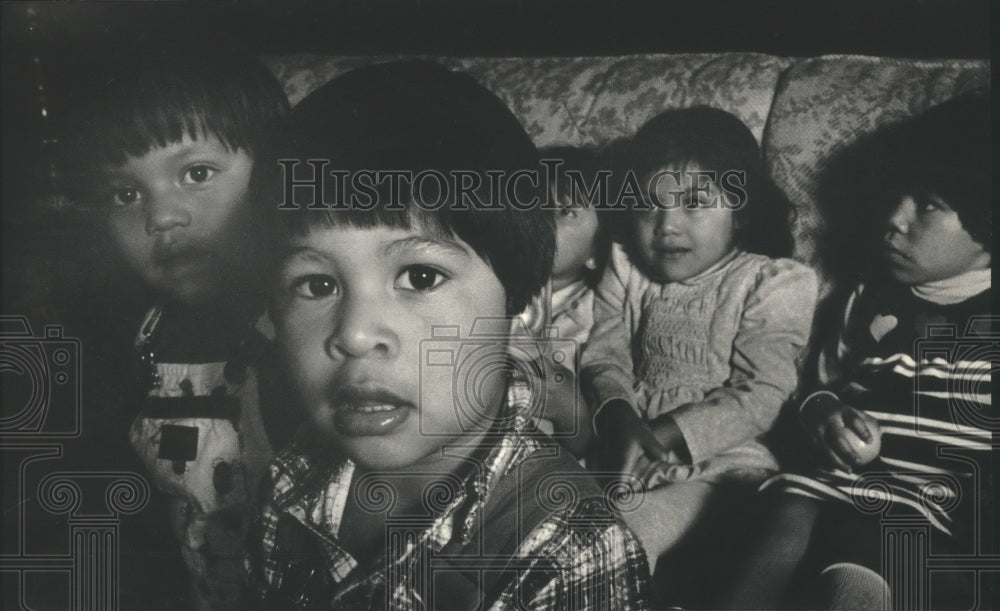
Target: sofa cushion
[(824, 104), (802, 110), (588, 100)]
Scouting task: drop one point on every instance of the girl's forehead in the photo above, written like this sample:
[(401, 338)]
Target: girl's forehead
[(681, 167), (687, 176)]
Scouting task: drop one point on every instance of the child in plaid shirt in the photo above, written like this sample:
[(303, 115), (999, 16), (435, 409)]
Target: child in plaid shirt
[(416, 482)]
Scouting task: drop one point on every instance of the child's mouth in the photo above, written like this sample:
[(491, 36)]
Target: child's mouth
[(177, 258), (371, 409), (362, 413), (671, 252), (894, 253), (370, 420)]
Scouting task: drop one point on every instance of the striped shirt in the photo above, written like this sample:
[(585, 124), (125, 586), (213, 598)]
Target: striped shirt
[(923, 372)]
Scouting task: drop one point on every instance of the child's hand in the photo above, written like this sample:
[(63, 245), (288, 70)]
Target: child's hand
[(846, 437), (626, 438), (670, 437)]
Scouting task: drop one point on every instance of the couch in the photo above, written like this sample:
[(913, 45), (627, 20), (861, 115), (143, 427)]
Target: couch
[(802, 110)]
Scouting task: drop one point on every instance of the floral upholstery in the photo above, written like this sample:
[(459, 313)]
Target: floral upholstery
[(802, 110), (588, 100), (825, 103)]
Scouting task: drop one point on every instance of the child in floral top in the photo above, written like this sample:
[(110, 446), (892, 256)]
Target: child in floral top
[(164, 150)]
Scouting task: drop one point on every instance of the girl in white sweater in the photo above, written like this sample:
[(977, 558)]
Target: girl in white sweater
[(698, 325)]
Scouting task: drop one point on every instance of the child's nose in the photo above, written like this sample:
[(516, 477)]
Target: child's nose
[(668, 222), (361, 330), (902, 215), (165, 211)]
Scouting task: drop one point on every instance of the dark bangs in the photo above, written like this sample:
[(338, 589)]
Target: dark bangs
[(146, 100), (412, 117), (230, 100), (518, 245), (719, 142), (946, 152)]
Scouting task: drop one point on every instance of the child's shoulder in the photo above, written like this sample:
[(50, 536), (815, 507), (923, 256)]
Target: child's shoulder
[(619, 260), (764, 267), (545, 481), (765, 276), (304, 469), (552, 509)]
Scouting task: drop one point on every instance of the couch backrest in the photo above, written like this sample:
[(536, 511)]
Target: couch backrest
[(823, 104), (801, 110)]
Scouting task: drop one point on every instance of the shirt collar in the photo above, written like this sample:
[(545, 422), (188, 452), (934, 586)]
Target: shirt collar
[(715, 267), (314, 482), (567, 294), (955, 289)]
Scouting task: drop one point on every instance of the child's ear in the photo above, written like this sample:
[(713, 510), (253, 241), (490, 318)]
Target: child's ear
[(265, 324), (590, 263)]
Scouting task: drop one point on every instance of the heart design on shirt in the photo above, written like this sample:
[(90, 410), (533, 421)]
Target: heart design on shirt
[(881, 325)]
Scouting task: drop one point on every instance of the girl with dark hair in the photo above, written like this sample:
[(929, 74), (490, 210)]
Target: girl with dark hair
[(698, 328)]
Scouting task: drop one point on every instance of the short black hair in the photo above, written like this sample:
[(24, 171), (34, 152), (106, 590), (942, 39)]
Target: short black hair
[(129, 103), (414, 116), (946, 151), (588, 162), (718, 142)]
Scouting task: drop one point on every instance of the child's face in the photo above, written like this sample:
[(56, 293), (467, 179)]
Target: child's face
[(180, 216), (694, 233), (353, 307), (576, 227), (926, 242)]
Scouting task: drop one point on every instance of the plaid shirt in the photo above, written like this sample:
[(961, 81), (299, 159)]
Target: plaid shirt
[(529, 529)]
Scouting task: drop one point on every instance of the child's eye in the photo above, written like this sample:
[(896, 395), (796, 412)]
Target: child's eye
[(420, 278), (931, 203), (315, 286), (198, 174), (568, 213), (125, 196), (692, 202)]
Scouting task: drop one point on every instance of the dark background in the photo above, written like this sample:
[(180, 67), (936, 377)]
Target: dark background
[(912, 28), (44, 41), (41, 40)]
